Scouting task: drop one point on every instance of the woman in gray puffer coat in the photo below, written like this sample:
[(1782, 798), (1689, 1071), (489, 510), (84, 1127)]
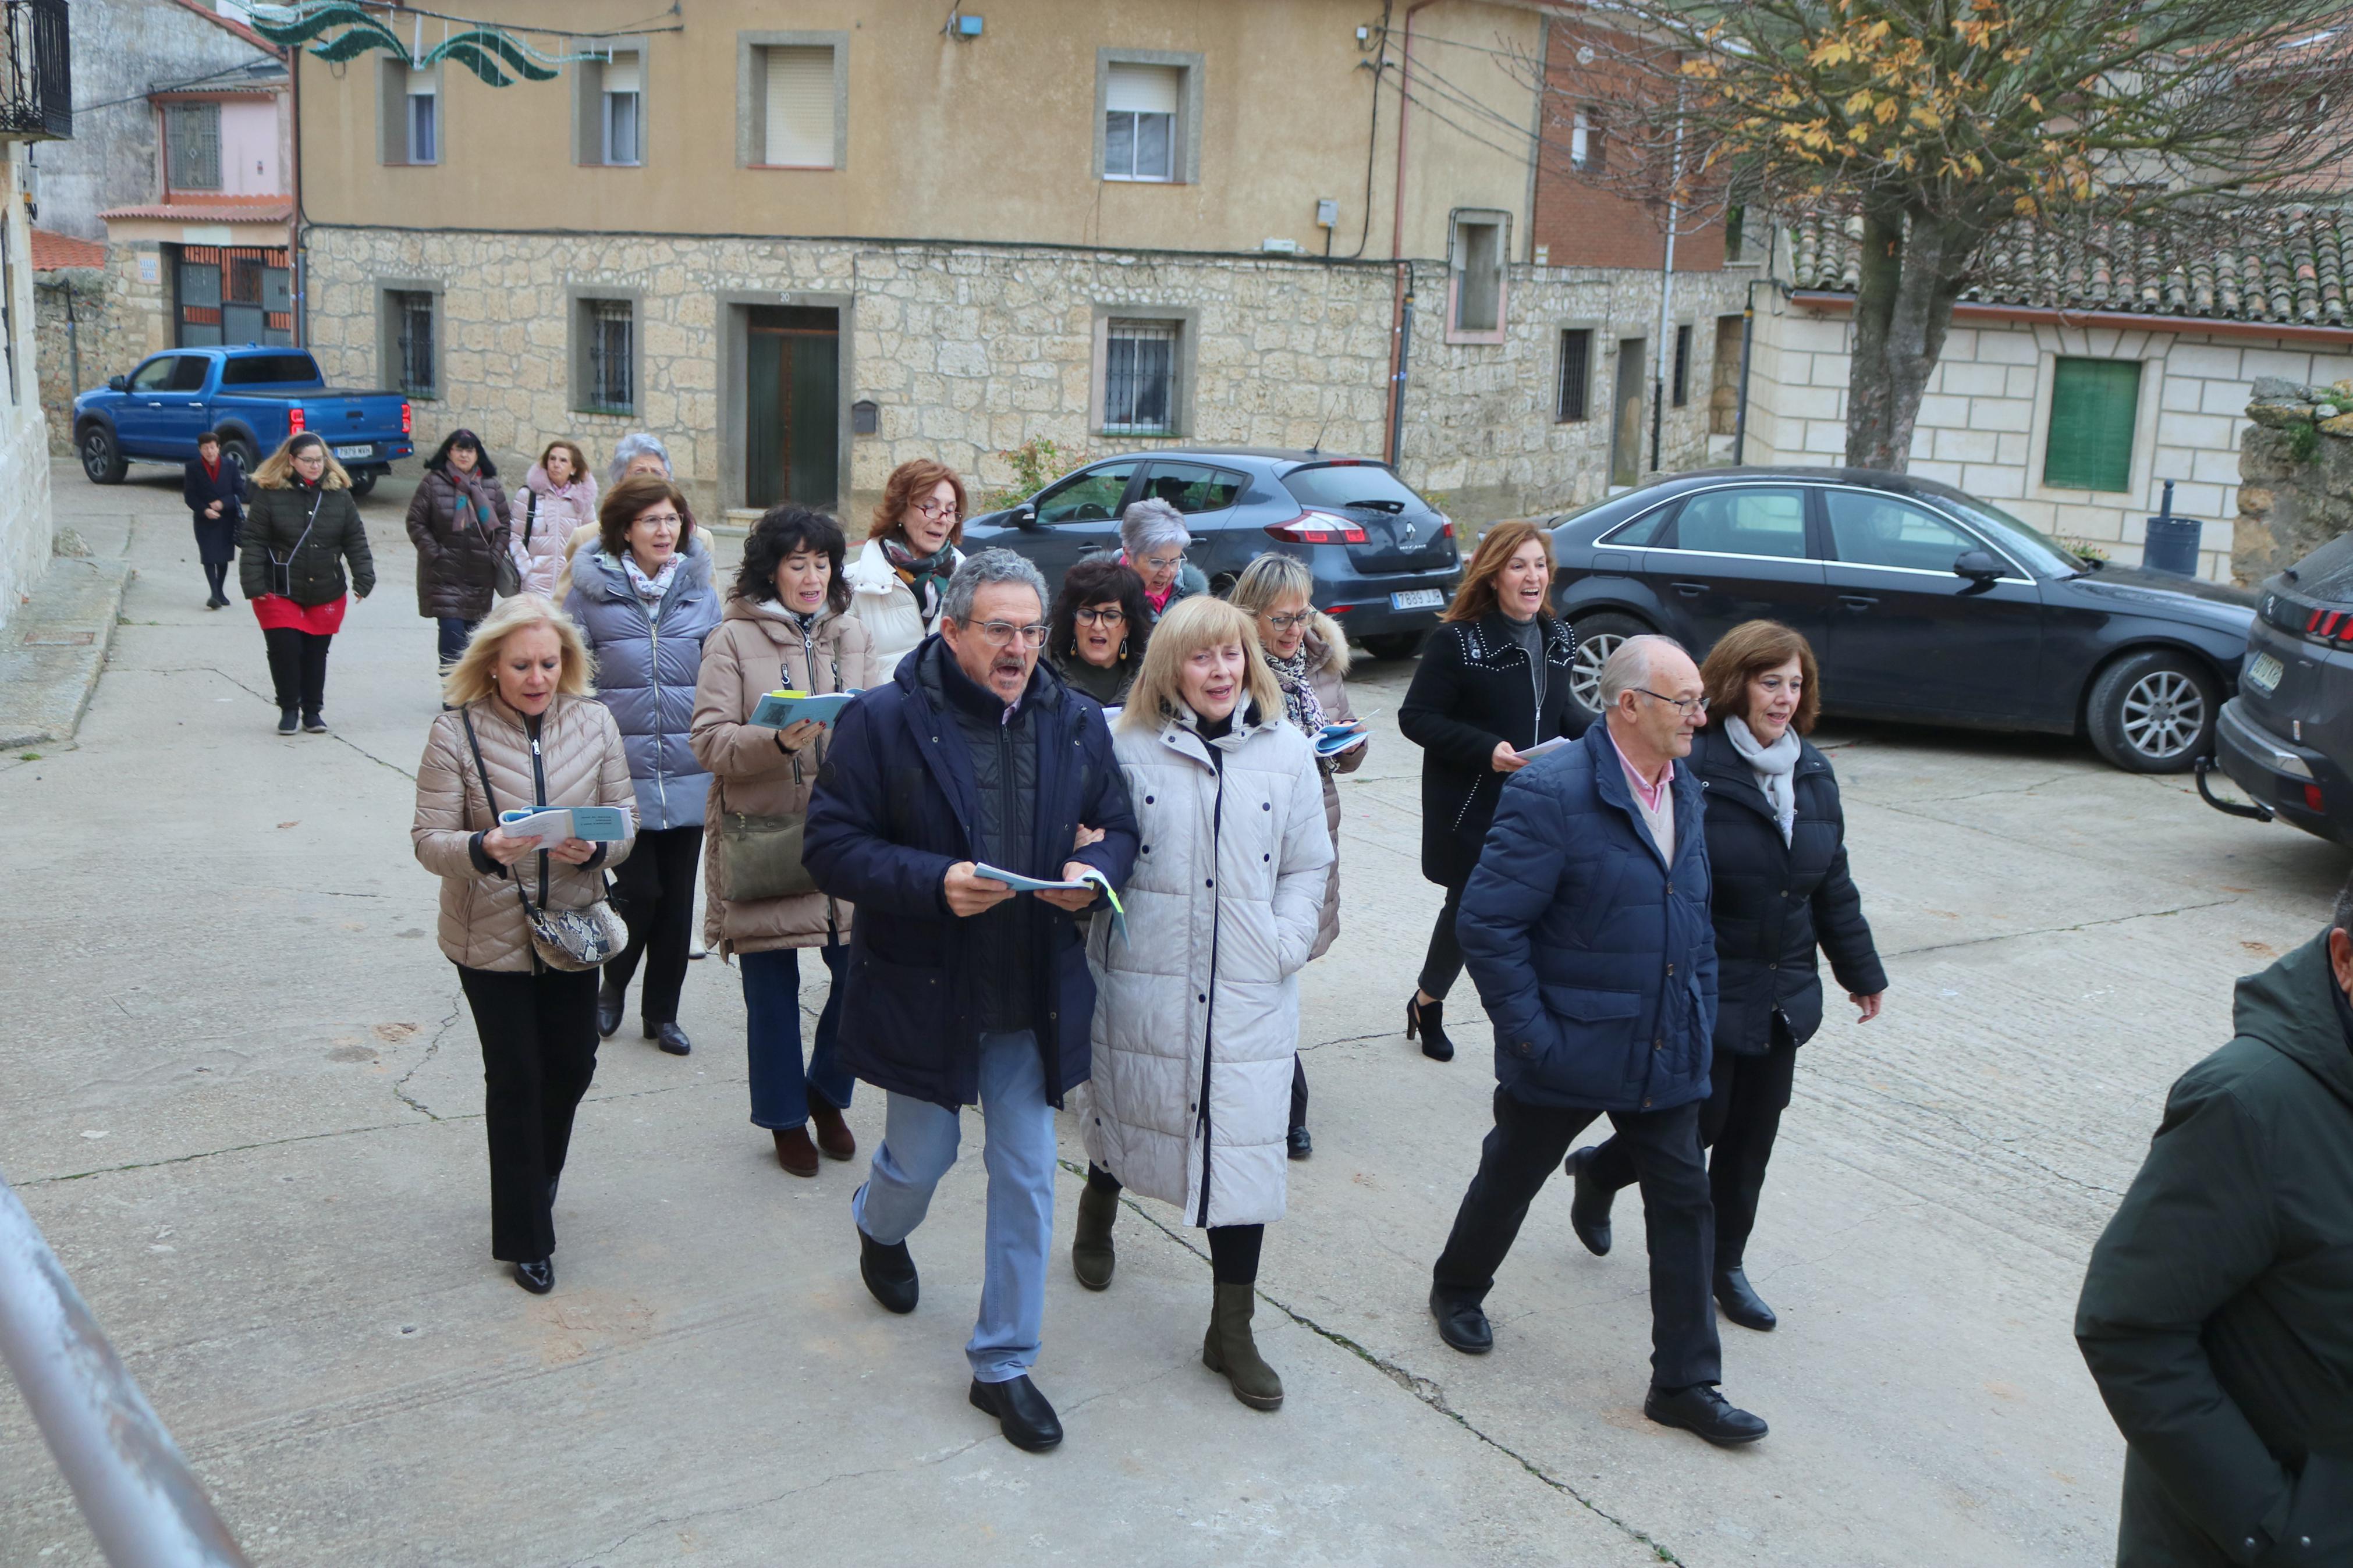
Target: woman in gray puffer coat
[(1196, 1005), (642, 596)]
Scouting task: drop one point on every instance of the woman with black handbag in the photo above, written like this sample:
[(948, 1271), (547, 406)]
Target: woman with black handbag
[(787, 627), (300, 527), (525, 921)]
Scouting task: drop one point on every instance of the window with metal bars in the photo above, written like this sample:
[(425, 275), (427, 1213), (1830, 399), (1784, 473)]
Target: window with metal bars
[(192, 159), (411, 341), (1140, 378), (610, 381), (1682, 364), (1576, 374)]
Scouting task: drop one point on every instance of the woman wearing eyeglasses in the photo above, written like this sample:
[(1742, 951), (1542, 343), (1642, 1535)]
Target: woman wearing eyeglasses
[(1493, 679), (642, 596), (1097, 629), (897, 581), (1308, 653), (1153, 539), (1779, 893)]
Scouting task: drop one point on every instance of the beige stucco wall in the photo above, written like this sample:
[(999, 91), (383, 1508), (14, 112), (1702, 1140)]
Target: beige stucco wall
[(25, 519), (987, 139)]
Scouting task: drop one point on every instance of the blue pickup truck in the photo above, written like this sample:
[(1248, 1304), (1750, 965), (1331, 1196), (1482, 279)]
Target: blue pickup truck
[(254, 396)]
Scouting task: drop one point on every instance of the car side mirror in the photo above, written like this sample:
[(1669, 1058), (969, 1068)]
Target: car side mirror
[(1024, 516), (1978, 566), (118, 383)]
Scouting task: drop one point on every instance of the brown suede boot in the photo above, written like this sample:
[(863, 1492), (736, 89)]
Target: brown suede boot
[(833, 1136), (1229, 1349), (794, 1153), (1091, 1258)]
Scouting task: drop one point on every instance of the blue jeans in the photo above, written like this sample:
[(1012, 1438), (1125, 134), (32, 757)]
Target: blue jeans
[(453, 633), (919, 1144), (771, 1016)]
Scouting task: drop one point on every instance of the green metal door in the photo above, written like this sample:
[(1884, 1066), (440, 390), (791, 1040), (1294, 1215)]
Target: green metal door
[(792, 407)]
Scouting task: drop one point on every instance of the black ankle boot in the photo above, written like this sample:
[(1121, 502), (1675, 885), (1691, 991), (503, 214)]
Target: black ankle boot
[(1422, 1018)]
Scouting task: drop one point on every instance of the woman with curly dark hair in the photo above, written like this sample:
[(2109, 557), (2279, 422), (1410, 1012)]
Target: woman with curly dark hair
[(1097, 629), (787, 627)]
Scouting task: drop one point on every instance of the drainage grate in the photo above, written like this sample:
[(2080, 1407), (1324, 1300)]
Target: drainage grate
[(59, 639)]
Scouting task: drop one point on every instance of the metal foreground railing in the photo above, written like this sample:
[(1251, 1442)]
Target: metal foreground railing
[(143, 1502)]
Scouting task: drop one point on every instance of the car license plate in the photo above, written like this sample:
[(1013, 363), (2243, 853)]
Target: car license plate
[(2264, 672), (355, 451), (1418, 599)]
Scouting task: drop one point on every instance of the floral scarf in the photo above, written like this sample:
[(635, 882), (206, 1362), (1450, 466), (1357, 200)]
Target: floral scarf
[(1300, 704), (924, 575), (651, 591)]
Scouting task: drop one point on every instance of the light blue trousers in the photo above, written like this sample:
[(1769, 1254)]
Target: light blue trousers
[(919, 1145)]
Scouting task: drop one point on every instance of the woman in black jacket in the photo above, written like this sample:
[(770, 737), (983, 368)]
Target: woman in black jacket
[(301, 526), (213, 484), (1494, 681), (1777, 862)]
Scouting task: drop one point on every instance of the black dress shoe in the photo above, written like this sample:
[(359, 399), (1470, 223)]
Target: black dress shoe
[(538, 1278), (1589, 1209), (1021, 1412), (1701, 1410), (1422, 1018), (1462, 1324), (669, 1038), (890, 1274), (609, 998), (1741, 1302), (1299, 1142)]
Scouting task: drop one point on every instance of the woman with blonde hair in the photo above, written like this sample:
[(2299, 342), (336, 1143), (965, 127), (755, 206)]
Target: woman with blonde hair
[(897, 580), (1196, 1000), (1493, 679), (300, 527), (1308, 653), (522, 729), (558, 498)]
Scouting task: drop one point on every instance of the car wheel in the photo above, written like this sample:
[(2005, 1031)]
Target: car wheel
[(1598, 637), (1394, 644), (101, 459), (364, 481), (2153, 712), (242, 450)]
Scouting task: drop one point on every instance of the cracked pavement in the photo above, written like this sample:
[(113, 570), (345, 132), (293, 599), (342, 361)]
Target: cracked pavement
[(243, 1104)]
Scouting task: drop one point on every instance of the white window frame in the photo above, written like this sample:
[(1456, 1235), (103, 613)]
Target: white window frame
[(411, 100), (1184, 132)]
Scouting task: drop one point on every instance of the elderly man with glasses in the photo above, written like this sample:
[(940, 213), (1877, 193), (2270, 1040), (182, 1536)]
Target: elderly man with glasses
[(1587, 928), (961, 990)]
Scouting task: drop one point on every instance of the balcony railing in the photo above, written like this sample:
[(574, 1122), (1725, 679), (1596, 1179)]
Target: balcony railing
[(36, 73)]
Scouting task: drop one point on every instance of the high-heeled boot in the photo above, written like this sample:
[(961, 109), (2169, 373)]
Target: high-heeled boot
[(1422, 1018)]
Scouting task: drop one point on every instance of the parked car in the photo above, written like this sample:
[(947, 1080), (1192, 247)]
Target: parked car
[(1384, 559), (255, 397), (1922, 602), (2286, 738)]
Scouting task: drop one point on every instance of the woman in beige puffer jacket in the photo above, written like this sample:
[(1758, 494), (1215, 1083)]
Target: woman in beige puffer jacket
[(786, 627), (520, 693)]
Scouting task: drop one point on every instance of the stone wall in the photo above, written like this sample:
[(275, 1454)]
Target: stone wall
[(25, 519), (117, 322), (969, 352), (2295, 467)]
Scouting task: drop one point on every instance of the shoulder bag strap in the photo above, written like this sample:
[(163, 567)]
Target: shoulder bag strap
[(490, 802), (300, 540), (529, 512)]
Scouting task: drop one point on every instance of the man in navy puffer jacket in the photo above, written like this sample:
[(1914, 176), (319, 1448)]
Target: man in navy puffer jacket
[(1587, 929)]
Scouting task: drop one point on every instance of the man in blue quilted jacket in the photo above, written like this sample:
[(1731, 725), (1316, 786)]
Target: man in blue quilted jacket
[(1587, 929)]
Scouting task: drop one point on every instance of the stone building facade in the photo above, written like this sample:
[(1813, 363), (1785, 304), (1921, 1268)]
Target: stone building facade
[(26, 524)]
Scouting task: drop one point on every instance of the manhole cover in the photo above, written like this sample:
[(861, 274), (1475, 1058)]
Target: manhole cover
[(60, 639)]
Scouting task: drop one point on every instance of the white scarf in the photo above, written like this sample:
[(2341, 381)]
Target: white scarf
[(651, 591), (1773, 766)]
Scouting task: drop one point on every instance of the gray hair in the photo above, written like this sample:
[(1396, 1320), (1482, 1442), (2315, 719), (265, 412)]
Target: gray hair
[(632, 446), (1270, 579), (2341, 918), (981, 568), (1152, 521), (1629, 666)]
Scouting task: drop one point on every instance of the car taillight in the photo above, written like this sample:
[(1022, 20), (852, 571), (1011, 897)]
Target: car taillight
[(2311, 800), (408, 419), (1317, 528), (294, 420)]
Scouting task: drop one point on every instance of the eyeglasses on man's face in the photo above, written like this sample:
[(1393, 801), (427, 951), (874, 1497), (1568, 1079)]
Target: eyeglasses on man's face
[(1000, 633), (1684, 706), (938, 512), (1109, 616), (1285, 622)]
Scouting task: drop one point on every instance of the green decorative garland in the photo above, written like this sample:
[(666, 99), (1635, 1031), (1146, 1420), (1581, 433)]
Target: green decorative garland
[(490, 52)]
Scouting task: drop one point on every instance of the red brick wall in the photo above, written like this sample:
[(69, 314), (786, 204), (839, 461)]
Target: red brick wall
[(1581, 222)]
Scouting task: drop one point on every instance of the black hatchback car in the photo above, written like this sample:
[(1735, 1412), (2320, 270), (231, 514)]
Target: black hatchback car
[(1384, 559), (2286, 738), (1922, 603)]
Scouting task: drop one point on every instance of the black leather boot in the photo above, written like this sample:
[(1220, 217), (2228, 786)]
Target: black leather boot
[(1091, 1257), (1740, 1300), (609, 998), (1588, 1210), (1422, 1018)]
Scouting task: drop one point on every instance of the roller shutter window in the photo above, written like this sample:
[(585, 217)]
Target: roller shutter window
[(424, 122), (799, 130), (1140, 123), (622, 77), (2094, 405)]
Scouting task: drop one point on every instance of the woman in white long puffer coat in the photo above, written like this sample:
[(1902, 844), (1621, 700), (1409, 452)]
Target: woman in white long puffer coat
[(1197, 1006)]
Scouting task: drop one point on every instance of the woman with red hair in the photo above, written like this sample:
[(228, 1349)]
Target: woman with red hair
[(910, 553)]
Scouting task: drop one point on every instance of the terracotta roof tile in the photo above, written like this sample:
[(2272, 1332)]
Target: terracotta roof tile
[(54, 252), (264, 209), (2283, 265)]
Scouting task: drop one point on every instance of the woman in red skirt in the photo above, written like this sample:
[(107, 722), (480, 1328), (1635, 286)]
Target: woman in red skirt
[(301, 526)]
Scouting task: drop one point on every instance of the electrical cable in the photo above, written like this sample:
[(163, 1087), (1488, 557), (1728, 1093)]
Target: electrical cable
[(173, 86)]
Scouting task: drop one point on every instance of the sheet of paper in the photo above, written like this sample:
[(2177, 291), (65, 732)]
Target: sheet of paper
[(1541, 747), (597, 824)]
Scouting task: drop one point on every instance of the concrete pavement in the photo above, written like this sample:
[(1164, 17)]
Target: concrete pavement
[(243, 1100)]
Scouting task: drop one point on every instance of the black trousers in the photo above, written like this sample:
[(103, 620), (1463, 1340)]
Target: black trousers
[(1738, 1125), (1298, 1092), (1233, 1248), (1444, 963), (216, 576), (298, 666), (1527, 1147), (654, 892), (539, 1053)]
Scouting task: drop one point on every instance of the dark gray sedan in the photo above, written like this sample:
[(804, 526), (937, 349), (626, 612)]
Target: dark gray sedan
[(1385, 559), (1922, 603)]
